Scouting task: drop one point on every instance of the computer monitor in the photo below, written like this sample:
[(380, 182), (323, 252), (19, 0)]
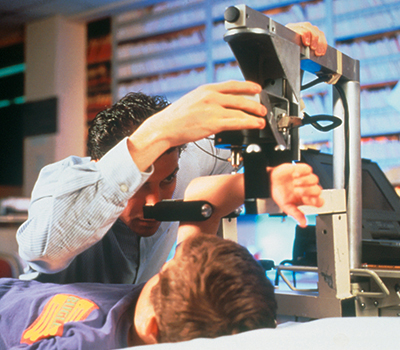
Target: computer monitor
[(380, 202)]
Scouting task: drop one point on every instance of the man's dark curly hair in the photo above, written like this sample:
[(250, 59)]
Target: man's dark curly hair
[(214, 288), (121, 120)]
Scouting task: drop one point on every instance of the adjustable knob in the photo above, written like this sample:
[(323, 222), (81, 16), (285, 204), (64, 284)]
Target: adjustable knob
[(232, 14)]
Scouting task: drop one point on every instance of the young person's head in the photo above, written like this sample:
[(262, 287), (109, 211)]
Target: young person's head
[(114, 124), (212, 287)]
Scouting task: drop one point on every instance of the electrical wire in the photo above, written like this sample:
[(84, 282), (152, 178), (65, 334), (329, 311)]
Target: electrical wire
[(209, 153), (313, 120), (320, 79)]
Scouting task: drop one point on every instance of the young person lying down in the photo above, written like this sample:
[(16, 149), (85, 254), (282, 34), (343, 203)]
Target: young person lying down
[(212, 287)]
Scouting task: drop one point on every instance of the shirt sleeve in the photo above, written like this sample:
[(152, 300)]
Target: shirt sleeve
[(200, 158), (73, 205)]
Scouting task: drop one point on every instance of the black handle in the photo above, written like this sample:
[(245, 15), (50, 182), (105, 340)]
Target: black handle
[(178, 210)]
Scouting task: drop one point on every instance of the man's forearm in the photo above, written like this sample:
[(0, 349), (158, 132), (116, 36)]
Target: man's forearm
[(74, 205)]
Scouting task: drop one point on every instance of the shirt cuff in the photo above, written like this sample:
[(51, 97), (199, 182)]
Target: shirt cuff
[(119, 170)]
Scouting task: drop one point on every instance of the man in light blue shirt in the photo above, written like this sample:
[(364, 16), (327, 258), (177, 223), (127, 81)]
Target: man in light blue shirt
[(82, 212), (86, 220)]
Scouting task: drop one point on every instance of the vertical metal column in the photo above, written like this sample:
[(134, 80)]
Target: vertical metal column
[(351, 154), (351, 90), (339, 143)]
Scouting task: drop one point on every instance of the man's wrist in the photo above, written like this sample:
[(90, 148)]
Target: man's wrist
[(145, 147)]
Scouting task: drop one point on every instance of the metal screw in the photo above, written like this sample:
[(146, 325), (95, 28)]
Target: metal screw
[(206, 210), (253, 148)]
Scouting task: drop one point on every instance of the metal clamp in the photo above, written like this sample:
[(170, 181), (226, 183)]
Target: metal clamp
[(369, 273), (279, 269)]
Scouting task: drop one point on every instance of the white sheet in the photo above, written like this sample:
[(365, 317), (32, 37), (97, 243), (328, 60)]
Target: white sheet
[(364, 333)]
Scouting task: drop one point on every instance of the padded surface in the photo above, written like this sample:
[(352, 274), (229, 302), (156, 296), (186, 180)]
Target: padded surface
[(351, 333)]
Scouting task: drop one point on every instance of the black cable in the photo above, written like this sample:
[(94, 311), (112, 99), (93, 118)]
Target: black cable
[(342, 96), (313, 120), (320, 79), (211, 154)]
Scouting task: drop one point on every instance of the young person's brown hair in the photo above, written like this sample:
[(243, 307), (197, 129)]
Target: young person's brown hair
[(215, 288)]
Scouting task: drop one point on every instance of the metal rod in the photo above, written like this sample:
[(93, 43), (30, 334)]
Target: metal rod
[(354, 195), (339, 142)]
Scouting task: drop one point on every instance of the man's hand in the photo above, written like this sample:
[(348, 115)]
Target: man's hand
[(205, 111), (210, 109), (295, 185), (310, 36)]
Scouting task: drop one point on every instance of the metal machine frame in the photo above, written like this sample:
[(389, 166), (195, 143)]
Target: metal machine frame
[(344, 288)]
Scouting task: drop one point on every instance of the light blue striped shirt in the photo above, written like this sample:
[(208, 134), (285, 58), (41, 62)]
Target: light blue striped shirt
[(75, 202)]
